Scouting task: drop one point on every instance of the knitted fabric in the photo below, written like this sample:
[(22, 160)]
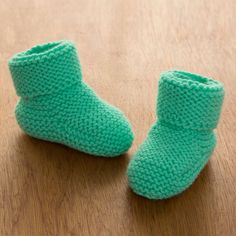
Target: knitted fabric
[(56, 105), (182, 140)]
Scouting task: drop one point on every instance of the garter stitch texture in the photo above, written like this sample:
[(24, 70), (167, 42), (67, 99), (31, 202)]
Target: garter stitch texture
[(182, 140), (56, 105)]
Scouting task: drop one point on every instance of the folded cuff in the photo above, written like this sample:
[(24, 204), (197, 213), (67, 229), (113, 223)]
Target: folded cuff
[(189, 100), (45, 69)]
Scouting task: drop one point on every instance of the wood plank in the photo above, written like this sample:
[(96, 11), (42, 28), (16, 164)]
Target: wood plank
[(49, 189)]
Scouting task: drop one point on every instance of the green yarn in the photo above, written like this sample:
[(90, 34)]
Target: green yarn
[(182, 140), (56, 105)]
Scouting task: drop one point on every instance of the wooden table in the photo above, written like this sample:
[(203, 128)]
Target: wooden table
[(49, 189)]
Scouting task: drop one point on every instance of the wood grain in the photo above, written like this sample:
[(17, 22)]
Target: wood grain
[(49, 189)]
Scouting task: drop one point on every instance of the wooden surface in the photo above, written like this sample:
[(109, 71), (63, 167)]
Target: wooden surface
[(49, 189)]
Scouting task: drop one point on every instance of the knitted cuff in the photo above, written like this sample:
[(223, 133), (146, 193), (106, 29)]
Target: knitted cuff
[(189, 100), (45, 69)]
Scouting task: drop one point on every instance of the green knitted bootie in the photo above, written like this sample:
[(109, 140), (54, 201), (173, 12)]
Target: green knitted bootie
[(181, 142), (56, 105)]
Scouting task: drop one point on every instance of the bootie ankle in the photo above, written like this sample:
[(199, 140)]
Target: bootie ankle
[(56, 105), (182, 140)]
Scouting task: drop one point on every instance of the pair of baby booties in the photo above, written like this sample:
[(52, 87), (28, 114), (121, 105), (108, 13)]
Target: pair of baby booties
[(57, 105)]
